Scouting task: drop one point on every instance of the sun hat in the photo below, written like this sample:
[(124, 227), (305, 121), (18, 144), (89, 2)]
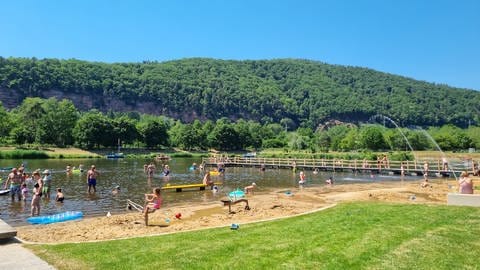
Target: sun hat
[(46, 172)]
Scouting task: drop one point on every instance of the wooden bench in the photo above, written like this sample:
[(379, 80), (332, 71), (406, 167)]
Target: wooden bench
[(230, 203), (463, 199)]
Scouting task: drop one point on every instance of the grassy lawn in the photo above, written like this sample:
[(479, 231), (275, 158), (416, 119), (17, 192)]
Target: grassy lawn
[(44, 152), (348, 236)]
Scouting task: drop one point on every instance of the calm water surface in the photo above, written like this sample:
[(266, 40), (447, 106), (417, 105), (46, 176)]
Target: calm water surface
[(130, 176)]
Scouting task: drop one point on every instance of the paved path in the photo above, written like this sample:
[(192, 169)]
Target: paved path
[(14, 256)]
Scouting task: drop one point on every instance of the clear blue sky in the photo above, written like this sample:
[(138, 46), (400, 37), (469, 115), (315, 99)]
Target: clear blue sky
[(431, 40)]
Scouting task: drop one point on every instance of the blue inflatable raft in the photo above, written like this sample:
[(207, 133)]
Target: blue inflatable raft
[(61, 217)]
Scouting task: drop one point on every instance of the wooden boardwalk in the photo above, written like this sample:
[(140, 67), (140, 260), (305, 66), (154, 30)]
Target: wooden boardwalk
[(435, 167)]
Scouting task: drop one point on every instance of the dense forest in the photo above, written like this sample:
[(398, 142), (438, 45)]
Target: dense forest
[(44, 122), (293, 93)]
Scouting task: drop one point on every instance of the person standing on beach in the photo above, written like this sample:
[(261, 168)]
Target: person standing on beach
[(465, 184), (153, 201), (92, 179)]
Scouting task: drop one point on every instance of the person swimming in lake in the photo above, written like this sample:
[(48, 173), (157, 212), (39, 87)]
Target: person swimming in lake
[(166, 170), (59, 197)]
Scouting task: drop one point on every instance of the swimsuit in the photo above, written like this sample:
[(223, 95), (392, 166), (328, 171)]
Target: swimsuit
[(15, 188), (466, 188), (157, 203), (60, 199), (92, 182)]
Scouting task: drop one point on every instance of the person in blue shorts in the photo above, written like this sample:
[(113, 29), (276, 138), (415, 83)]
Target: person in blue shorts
[(92, 179)]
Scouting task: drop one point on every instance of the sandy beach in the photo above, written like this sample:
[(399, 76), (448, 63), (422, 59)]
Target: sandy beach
[(264, 205)]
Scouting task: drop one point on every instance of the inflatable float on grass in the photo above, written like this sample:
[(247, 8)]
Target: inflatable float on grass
[(61, 217)]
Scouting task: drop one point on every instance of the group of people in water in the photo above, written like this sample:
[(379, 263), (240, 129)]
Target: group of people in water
[(17, 181), (150, 169)]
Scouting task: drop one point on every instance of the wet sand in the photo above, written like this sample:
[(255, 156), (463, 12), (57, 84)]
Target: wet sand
[(264, 205)]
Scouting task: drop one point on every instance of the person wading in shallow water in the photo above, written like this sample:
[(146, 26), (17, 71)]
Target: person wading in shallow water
[(92, 179)]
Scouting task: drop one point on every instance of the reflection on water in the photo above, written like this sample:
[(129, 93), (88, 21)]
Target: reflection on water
[(129, 175)]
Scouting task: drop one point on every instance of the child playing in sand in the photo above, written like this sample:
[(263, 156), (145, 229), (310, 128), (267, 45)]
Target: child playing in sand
[(249, 189), (425, 182), (59, 197), (153, 202)]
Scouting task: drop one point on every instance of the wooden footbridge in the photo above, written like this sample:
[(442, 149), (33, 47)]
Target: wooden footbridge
[(433, 167)]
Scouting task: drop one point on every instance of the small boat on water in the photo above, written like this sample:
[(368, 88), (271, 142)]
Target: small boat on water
[(250, 155), (4, 191), (115, 155)]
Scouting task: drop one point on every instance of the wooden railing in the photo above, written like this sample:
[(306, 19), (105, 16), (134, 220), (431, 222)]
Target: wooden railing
[(434, 165)]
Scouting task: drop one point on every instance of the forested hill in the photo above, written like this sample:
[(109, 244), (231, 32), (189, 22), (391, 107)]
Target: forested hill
[(288, 90)]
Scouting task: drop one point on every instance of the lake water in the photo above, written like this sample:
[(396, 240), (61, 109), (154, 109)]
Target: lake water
[(129, 175)]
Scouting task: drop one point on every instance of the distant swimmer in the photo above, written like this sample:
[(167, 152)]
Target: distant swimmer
[(329, 181), (302, 178)]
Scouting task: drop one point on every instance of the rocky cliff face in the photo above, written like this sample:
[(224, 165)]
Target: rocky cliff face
[(11, 99)]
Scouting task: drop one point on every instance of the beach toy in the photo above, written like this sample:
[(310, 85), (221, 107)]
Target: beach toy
[(288, 193), (235, 226), (167, 220), (178, 215)]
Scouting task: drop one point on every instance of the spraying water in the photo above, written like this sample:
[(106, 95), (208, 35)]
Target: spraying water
[(439, 149), (383, 117)]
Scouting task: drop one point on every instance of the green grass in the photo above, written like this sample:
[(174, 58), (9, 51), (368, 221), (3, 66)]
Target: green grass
[(22, 154), (348, 236)]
